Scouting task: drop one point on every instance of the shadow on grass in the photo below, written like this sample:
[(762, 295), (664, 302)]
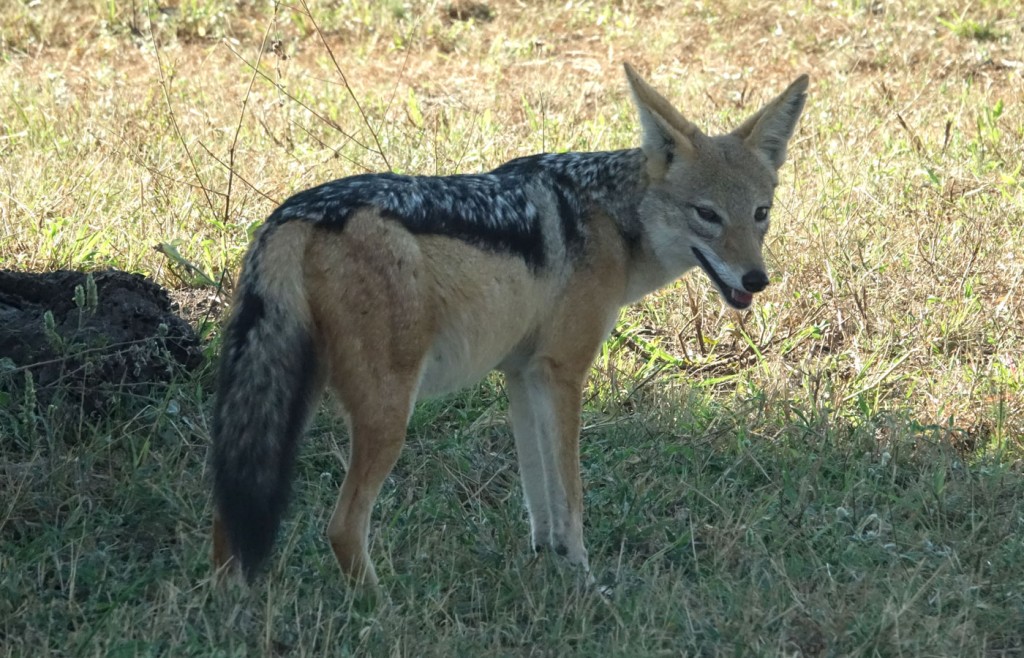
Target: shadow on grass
[(713, 528)]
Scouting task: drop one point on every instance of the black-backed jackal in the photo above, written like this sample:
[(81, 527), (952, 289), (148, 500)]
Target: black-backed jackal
[(391, 288)]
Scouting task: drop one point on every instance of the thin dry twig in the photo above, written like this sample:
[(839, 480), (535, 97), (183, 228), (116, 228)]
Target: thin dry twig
[(241, 114), (348, 88), (230, 167), (164, 88), (326, 120)]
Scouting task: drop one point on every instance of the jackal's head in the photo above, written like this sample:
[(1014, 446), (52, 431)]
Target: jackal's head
[(709, 200)]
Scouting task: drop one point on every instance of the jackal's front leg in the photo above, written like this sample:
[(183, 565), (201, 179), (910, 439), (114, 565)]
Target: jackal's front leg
[(544, 406)]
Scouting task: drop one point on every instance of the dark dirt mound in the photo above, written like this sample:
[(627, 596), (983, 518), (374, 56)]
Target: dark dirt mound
[(92, 336)]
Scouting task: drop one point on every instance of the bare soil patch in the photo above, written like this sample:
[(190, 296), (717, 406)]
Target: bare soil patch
[(95, 336)]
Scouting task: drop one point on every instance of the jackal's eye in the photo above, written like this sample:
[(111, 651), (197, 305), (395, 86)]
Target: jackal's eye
[(761, 214), (708, 215)]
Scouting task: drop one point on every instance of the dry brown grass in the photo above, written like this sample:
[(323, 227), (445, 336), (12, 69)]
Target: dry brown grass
[(900, 238)]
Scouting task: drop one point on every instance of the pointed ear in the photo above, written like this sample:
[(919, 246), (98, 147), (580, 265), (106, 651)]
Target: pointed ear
[(769, 130), (666, 132)]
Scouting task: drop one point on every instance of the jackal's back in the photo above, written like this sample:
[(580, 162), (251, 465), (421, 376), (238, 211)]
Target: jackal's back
[(531, 207)]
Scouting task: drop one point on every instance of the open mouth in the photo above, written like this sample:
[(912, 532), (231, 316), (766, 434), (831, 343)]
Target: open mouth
[(738, 299)]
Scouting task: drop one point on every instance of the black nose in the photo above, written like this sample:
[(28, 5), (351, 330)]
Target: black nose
[(755, 281)]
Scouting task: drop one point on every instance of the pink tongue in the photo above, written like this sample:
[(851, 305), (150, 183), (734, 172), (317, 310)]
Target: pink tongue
[(742, 297)]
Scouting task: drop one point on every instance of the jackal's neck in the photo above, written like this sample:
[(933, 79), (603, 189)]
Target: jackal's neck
[(607, 171), (614, 181), (617, 182)]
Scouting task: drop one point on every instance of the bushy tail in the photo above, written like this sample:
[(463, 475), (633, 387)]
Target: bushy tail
[(266, 388)]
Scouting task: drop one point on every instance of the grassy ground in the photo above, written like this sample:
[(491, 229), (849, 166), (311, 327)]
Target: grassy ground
[(836, 472)]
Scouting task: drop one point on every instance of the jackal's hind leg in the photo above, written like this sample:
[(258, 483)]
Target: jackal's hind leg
[(377, 427), (221, 547)]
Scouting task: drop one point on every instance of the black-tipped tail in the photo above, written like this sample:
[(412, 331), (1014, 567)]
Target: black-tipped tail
[(265, 394)]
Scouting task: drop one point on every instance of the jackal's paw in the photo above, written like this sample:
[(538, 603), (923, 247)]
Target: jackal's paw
[(573, 552), (575, 557), (540, 537)]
